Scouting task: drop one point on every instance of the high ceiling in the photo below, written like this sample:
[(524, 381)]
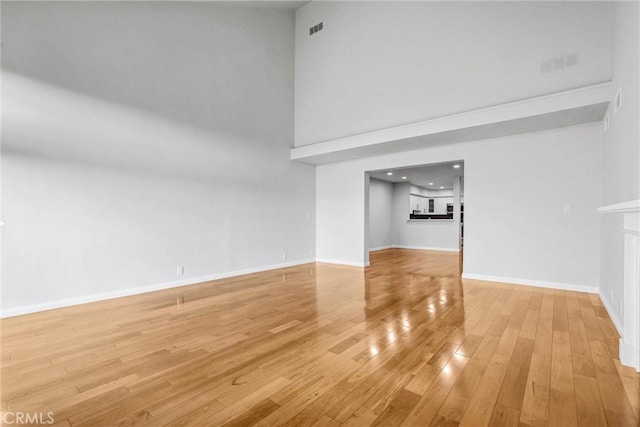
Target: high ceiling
[(440, 175), (284, 4)]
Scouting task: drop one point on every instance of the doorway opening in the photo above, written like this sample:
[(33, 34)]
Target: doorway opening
[(417, 207)]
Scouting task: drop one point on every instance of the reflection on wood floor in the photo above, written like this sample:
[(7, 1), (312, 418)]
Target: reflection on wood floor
[(402, 342)]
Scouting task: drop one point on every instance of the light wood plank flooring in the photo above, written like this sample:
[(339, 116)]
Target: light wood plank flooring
[(403, 342)]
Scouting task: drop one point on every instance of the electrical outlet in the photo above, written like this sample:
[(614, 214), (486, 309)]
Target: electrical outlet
[(567, 209), (180, 271), (284, 256)]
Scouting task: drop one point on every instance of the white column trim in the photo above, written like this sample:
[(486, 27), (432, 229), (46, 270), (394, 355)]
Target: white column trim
[(628, 206), (630, 340)]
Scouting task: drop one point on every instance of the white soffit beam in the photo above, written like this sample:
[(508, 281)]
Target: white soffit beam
[(576, 106)]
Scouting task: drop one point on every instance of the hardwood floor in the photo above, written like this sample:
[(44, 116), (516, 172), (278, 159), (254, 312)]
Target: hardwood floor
[(403, 342)]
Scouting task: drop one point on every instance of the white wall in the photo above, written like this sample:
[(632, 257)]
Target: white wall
[(621, 152), (138, 137), (530, 177), (382, 64), (380, 206), (340, 205)]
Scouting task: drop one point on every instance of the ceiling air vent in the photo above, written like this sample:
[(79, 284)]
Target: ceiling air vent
[(315, 29)]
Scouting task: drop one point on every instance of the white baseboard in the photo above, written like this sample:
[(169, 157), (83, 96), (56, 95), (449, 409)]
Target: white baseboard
[(142, 289), (612, 313), (380, 248), (426, 248), (535, 283), (337, 261)]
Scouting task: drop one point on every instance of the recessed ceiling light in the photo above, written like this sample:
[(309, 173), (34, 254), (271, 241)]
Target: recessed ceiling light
[(456, 166), (404, 177), (389, 173), (431, 183), (441, 188)]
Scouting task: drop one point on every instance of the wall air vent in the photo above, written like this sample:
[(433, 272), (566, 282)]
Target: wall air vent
[(559, 62), (315, 29)]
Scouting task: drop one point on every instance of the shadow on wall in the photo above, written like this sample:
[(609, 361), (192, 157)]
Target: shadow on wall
[(100, 198), (41, 120), (219, 67), (144, 144)]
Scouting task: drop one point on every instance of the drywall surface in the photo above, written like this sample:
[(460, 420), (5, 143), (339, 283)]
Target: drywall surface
[(517, 190), (380, 205), (621, 151), (381, 64), (140, 137)]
